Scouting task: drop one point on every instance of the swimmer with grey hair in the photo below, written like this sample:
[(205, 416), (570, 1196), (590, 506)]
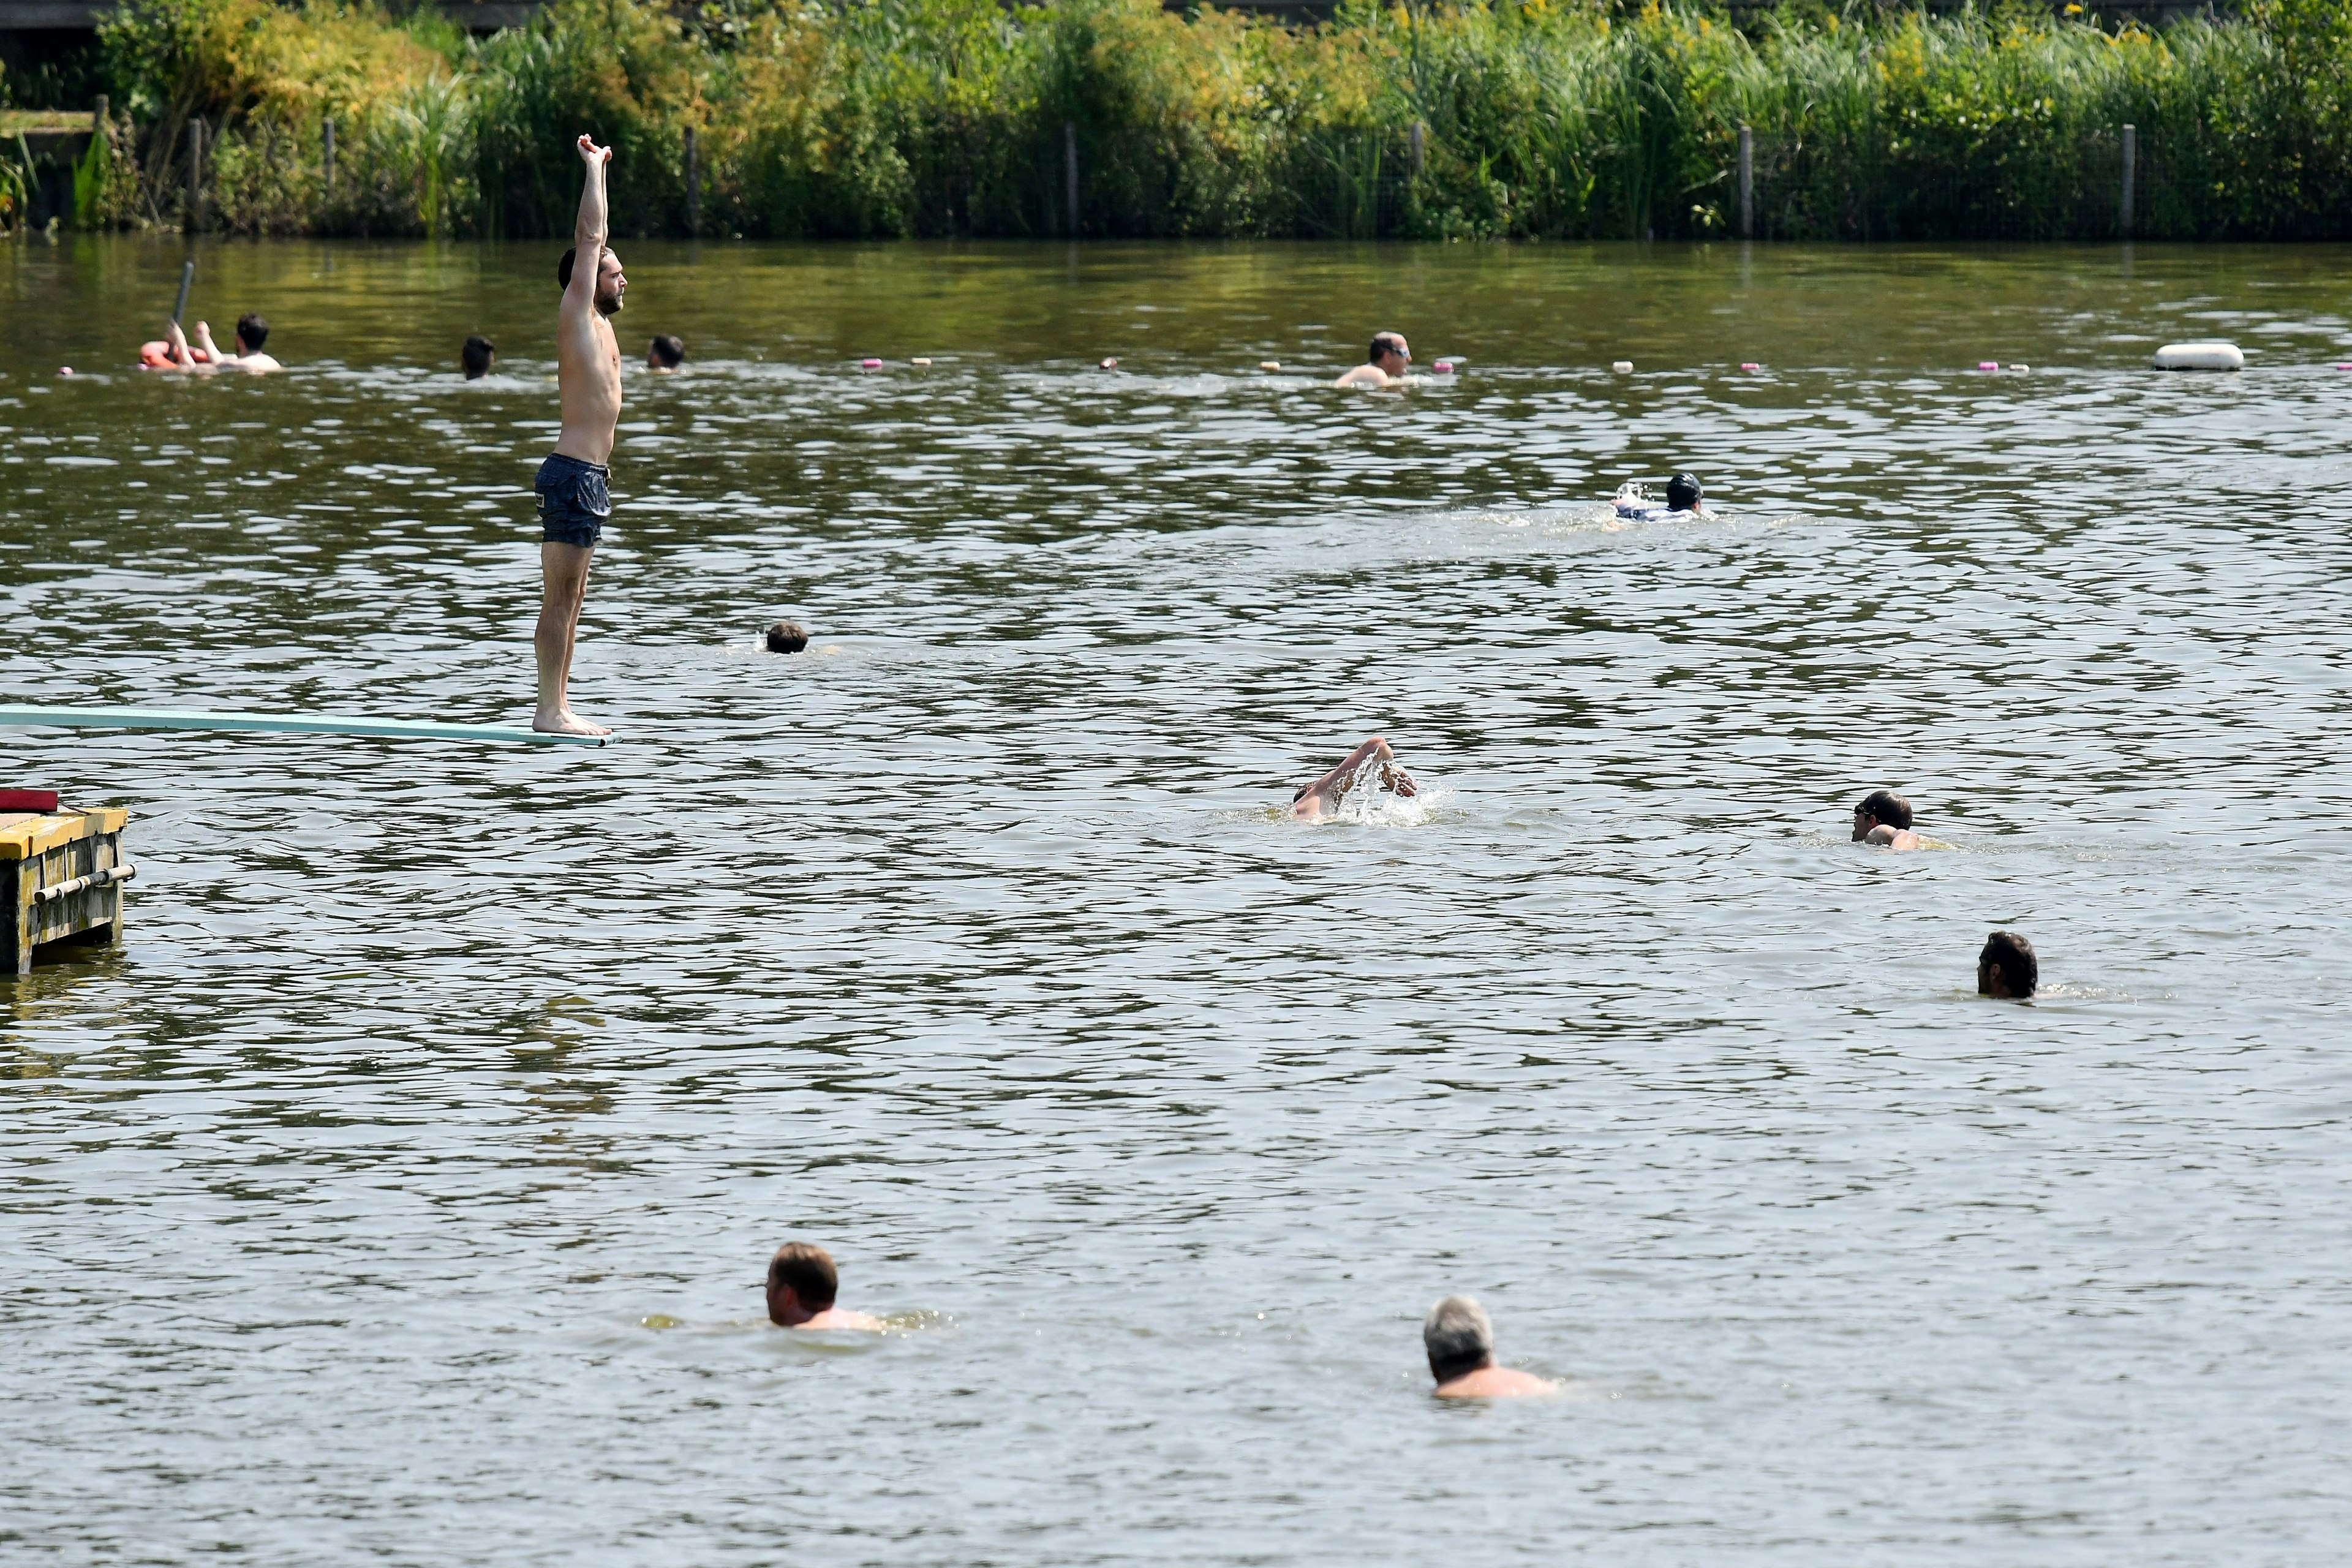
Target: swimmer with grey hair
[(1460, 1339), (1319, 800)]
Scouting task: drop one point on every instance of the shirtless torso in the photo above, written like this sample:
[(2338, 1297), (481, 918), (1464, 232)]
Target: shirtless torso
[(587, 355), (1495, 1383), (573, 486), (843, 1318)]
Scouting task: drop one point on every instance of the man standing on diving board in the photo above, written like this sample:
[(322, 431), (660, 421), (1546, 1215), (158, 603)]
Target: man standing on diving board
[(574, 485)]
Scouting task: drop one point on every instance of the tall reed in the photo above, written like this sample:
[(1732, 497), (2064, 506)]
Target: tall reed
[(1484, 119)]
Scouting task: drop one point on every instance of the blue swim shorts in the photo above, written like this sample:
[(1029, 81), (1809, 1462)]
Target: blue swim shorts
[(575, 500)]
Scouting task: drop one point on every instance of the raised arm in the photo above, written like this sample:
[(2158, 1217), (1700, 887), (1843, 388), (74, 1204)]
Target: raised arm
[(590, 233), (181, 358)]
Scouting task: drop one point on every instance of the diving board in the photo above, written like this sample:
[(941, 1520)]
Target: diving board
[(284, 724)]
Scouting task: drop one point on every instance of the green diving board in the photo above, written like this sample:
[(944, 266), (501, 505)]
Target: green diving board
[(284, 724)]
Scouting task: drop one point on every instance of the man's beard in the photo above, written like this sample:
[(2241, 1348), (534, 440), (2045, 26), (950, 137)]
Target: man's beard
[(608, 304)]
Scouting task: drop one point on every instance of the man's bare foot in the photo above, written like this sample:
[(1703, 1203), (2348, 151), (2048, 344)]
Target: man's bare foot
[(564, 722)]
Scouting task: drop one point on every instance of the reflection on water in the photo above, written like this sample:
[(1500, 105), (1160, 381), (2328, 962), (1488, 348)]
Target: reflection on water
[(973, 942)]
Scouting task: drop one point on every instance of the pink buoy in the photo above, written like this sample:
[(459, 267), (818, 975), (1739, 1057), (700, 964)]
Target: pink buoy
[(1444, 367), (1749, 364), (869, 365), (1988, 364)]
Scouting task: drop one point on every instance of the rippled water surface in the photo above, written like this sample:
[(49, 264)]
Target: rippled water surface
[(399, 1192)]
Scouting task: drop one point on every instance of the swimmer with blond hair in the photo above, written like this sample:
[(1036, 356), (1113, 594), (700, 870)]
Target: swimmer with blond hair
[(1314, 801), (801, 1286), (1460, 1339)]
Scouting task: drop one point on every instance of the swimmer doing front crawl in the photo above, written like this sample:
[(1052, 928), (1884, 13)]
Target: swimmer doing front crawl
[(1684, 496), (1316, 801), (574, 485)]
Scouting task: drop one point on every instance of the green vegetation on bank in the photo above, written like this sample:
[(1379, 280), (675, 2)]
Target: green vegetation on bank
[(1547, 119)]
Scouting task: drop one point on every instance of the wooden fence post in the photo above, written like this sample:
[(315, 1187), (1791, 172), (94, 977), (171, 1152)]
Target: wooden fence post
[(1747, 182), (193, 219), (2131, 168)]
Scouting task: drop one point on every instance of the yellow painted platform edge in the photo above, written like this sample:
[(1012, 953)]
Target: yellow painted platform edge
[(22, 838)]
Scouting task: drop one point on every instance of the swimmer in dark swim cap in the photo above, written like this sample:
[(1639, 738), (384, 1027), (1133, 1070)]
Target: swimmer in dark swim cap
[(1635, 503)]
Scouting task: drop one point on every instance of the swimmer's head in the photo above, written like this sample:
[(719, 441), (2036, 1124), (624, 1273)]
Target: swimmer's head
[(1459, 1338), (478, 355), (665, 353), (1683, 493), (611, 284), (2007, 966), (801, 1274), (252, 331), (1881, 807), (1389, 353), (786, 637)]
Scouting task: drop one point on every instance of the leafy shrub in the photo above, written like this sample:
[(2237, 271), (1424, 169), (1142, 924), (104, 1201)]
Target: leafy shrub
[(1471, 120)]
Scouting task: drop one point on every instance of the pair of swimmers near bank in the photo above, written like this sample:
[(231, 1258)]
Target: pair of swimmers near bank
[(803, 1291), (173, 350)]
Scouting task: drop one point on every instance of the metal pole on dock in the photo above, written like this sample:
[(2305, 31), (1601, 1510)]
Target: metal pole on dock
[(2131, 168), (693, 185), (1070, 174), (194, 218), (1747, 182), (327, 151)]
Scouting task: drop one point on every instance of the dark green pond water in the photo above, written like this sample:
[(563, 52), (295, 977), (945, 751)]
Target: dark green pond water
[(399, 1192)]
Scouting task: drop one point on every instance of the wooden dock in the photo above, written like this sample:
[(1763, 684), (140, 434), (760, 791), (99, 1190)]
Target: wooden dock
[(61, 877)]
